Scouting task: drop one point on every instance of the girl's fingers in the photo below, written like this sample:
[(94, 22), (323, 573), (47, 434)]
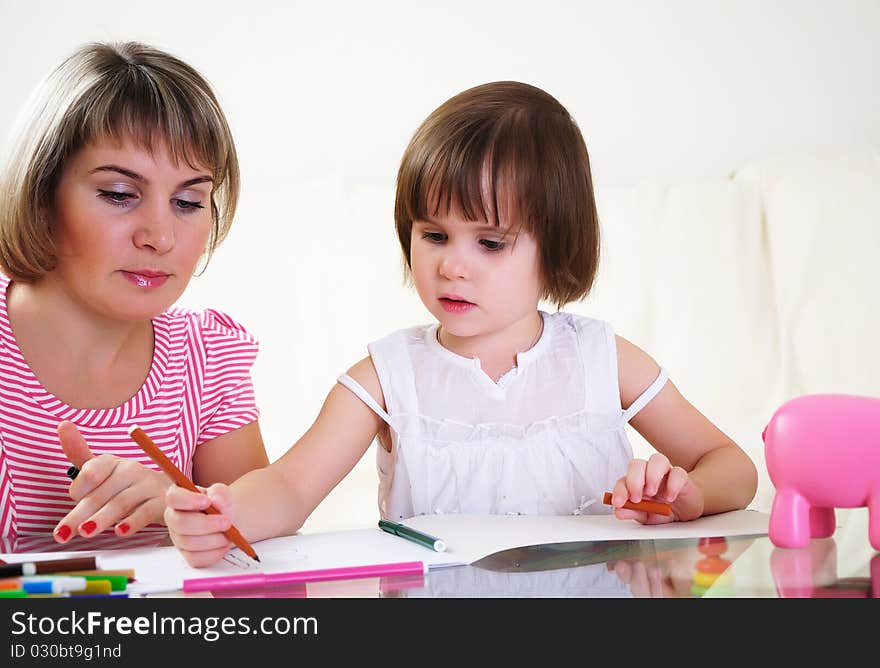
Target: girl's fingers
[(675, 481), (657, 468), (201, 542), (204, 558), (218, 493), (639, 581), (623, 571), (655, 580), (198, 536), (635, 479), (188, 523), (178, 498)]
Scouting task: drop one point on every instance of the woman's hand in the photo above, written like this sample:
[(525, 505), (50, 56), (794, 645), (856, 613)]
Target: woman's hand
[(109, 491), (199, 536), (657, 480)]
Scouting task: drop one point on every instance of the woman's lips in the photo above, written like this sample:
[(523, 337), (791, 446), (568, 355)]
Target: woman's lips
[(145, 279)]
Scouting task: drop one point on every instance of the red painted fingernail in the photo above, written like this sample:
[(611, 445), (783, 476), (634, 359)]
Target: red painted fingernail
[(63, 532), (122, 528), (88, 527)]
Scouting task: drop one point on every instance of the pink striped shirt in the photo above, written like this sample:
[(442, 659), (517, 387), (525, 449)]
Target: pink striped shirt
[(199, 387)]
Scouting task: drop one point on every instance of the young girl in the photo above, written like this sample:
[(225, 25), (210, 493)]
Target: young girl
[(124, 177), (498, 407)]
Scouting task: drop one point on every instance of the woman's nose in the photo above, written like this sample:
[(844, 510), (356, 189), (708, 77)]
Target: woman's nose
[(155, 230)]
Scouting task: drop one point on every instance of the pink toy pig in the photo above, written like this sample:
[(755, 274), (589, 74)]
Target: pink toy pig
[(823, 452)]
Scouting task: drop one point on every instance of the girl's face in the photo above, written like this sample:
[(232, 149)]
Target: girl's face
[(129, 227), (471, 277)]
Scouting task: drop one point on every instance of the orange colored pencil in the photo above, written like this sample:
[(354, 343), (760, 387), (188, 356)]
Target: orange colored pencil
[(649, 506), (140, 437)]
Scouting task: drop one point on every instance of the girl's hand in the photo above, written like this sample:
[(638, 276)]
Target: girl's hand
[(197, 535), (109, 491), (657, 480)]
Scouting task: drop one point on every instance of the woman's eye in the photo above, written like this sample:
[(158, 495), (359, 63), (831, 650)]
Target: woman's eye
[(435, 237), (492, 244), (115, 197), (187, 205)]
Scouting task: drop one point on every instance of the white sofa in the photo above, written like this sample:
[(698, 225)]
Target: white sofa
[(750, 290)]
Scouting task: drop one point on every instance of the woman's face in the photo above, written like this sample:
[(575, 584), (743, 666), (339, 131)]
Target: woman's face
[(129, 226)]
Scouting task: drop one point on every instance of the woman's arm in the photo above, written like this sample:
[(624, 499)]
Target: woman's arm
[(228, 457)]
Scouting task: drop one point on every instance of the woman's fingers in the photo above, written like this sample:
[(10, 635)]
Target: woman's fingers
[(73, 444), (111, 491), (149, 512)]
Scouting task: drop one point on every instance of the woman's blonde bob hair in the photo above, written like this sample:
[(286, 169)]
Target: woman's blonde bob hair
[(118, 91)]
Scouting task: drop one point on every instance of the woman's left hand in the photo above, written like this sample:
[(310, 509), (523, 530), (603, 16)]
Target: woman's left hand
[(109, 491), (657, 480)]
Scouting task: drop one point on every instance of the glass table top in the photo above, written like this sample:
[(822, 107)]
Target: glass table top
[(842, 566)]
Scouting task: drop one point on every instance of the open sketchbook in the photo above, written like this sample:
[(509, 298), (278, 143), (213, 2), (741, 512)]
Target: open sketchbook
[(468, 538)]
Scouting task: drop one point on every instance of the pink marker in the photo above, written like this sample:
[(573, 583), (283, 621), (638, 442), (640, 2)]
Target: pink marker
[(255, 580)]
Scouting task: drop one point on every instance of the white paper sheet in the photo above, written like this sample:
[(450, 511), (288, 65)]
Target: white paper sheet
[(468, 538), (471, 537), (161, 569)]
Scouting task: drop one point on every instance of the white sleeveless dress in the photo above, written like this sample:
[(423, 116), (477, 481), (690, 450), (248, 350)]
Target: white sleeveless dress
[(547, 439)]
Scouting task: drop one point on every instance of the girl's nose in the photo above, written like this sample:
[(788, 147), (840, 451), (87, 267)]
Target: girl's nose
[(454, 265)]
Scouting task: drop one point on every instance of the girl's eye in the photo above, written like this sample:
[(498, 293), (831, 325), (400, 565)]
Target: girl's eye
[(187, 205), (492, 244), (116, 197), (434, 237)]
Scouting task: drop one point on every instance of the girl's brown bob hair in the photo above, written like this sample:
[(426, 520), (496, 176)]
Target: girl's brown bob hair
[(512, 142), (117, 91)]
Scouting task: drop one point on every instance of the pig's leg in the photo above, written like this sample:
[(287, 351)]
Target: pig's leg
[(874, 520), (789, 519), (822, 523)]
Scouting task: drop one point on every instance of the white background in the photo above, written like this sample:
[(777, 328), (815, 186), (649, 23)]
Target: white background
[(323, 97)]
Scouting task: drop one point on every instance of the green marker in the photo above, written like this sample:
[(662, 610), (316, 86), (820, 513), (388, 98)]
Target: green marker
[(117, 582), (423, 539), (13, 593)]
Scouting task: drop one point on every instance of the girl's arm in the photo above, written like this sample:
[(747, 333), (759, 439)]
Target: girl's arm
[(277, 499), (704, 471)]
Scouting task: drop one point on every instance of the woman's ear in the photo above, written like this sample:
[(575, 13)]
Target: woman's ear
[(44, 216)]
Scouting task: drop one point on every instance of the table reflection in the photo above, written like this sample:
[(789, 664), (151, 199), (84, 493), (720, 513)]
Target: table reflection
[(811, 572)]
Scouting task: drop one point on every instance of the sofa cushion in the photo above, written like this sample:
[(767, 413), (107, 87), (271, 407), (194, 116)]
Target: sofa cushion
[(822, 222)]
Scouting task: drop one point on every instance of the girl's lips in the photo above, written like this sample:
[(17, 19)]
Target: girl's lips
[(456, 305), (146, 279)]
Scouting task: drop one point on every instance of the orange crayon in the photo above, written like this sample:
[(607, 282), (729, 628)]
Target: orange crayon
[(147, 445), (649, 506)]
